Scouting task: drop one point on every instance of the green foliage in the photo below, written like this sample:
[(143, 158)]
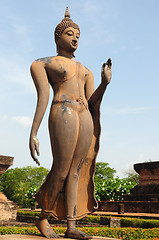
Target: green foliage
[(113, 189), (125, 221), (18, 230), (139, 223), (90, 219), (133, 176), (1, 188), (103, 172), (29, 196), (20, 184), (120, 233), (28, 213), (109, 188)]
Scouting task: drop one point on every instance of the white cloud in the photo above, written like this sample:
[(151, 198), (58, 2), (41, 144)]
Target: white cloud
[(23, 121), (3, 117)]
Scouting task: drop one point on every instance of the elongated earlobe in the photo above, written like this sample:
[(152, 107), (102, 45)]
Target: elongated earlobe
[(57, 48)]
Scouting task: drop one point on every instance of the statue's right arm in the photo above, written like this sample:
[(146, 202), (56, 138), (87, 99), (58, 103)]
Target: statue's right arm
[(96, 97), (40, 79)]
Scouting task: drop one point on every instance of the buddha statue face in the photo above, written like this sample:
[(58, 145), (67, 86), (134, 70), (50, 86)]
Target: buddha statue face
[(66, 35), (68, 41)]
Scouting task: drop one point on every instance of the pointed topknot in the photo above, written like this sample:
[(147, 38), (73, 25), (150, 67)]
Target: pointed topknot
[(67, 14), (65, 23)]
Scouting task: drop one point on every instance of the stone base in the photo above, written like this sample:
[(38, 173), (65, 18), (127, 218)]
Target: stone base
[(39, 237), (148, 192), (130, 206), (110, 221), (8, 210)]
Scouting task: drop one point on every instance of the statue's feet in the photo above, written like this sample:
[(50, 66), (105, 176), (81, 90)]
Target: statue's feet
[(45, 228), (76, 234)]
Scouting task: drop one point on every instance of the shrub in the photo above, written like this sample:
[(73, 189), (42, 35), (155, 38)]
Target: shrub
[(141, 223), (28, 213), (120, 233), (113, 189), (125, 222)]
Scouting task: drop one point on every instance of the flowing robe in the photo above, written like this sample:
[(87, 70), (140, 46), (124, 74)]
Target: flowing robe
[(86, 202)]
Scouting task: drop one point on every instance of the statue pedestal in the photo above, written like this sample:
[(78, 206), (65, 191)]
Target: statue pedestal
[(8, 209)]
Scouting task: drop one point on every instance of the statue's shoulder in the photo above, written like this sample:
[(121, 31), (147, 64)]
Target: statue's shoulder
[(87, 70), (45, 60)]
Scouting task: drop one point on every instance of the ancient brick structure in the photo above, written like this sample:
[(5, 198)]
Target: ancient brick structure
[(8, 209), (148, 187), (129, 206), (144, 198)]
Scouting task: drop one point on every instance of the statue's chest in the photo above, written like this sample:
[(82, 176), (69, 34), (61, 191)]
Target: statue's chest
[(60, 71)]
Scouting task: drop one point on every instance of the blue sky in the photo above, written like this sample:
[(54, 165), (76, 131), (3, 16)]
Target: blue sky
[(126, 31)]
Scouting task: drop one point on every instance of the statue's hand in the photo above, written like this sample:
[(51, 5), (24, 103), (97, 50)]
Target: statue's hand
[(34, 146), (106, 71)]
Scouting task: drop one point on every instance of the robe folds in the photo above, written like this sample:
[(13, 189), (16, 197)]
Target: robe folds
[(86, 202)]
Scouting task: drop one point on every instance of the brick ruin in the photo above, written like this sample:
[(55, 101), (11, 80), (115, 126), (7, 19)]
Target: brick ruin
[(8, 209), (143, 198), (148, 187)]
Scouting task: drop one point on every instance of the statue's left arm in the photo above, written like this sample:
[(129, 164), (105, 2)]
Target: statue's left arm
[(94, 98)]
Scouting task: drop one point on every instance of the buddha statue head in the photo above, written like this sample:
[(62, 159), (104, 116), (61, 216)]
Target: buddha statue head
[(63, 26)]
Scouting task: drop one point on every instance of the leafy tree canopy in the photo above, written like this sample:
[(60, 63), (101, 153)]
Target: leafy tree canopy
[(103, 172), (15, 183), (107, 187), (113, 189), (21, 184), (133, 176)]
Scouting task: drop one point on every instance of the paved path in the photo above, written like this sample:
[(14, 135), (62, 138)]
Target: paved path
[(38, 237)]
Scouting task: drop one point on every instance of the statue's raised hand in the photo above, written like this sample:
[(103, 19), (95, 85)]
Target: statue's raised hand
[(34, 146), (106, 71)]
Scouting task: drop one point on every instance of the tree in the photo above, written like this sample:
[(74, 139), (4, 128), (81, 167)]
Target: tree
[(113, 189), (109, 188), (17, 183), (103, 172), (132, 175)]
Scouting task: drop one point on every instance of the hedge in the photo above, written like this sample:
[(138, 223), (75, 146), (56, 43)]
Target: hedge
[(125, 221), (120, 233), (139, 223)]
